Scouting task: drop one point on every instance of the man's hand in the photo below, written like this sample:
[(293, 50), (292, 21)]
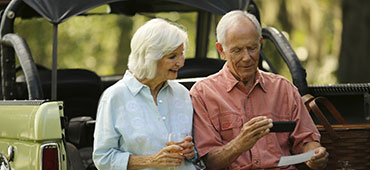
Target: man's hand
[(221, 157), (252, 131), (319, 159)]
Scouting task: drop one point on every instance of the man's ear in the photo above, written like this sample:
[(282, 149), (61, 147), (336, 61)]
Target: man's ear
[(261, 40), (220, 50)]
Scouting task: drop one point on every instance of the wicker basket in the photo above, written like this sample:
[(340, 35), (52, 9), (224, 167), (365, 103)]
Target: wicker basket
[(351, 148), (348, 145)]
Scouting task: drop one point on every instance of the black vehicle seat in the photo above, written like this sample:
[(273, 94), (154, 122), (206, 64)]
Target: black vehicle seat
[(79, 89), (74, 161), (200, 67), (80, 133)]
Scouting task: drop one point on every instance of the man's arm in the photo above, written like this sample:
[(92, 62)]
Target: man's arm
[(310, 145), (320, 157), (221, 157)]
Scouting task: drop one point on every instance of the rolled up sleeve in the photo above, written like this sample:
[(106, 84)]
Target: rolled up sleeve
[(107, 153), (306, 130), (206, 136)]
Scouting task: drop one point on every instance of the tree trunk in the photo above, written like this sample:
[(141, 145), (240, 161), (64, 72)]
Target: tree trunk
[(354, 59)]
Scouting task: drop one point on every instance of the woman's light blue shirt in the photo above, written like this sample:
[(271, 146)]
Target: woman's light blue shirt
[(130, 123)]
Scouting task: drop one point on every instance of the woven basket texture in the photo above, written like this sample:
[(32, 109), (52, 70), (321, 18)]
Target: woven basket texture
[(352, 148)]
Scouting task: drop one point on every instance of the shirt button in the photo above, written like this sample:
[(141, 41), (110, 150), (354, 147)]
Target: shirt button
[(163, 118), (160, 101), (256, 162)]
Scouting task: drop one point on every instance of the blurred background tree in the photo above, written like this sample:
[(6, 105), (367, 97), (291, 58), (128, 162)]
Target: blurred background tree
[(313, 27), (355, 52), (314, 30)]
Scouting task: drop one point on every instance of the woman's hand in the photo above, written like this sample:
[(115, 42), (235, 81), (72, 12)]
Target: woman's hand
[(168, 157), (188, 147)]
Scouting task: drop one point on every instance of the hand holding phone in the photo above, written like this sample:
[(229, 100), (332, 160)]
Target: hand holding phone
[(283, 126)]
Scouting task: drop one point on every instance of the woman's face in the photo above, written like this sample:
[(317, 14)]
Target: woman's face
[(169, 65)]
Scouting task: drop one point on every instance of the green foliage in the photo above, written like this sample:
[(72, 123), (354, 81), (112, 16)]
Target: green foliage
[(313, 28), (38, 34), (101, 42)]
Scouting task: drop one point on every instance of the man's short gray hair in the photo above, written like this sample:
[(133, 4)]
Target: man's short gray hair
[(155, 39), (232, 17)]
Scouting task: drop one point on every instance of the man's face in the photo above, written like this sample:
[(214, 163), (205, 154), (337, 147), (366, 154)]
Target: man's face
[(241, 49)]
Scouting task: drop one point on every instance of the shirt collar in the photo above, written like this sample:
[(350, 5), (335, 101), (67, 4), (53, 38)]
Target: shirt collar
[(260, 80), (232, 82), (135, 85)]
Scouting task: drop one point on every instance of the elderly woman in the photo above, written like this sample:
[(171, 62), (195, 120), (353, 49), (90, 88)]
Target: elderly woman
[(136, 115)]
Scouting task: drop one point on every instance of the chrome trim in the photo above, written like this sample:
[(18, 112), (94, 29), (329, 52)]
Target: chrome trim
[(48, 145), (10, 154), (4, 163), (22, 102), (10, 15)]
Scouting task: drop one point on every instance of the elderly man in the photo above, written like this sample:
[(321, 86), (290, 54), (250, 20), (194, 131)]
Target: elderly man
[(235, 107)]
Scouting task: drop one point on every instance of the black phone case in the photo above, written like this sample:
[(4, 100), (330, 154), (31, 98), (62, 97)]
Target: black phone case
[(283, 126)]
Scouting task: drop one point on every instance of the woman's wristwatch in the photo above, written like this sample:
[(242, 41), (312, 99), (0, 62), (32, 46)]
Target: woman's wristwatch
[(198, 163)]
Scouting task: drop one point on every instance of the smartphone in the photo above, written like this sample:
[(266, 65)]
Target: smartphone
[(283, 126)]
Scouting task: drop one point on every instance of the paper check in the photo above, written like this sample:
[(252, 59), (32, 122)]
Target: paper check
[(295, 159)]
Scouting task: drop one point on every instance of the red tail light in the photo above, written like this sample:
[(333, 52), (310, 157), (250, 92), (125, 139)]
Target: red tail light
[(50, 157)]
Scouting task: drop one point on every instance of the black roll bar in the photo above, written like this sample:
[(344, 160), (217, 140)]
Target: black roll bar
[(27, 64), (290, 57)]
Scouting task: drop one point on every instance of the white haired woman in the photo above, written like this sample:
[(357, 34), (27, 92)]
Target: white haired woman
[(136, 114)]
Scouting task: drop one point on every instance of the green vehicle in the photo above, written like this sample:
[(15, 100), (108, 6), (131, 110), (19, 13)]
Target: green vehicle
[(47, 115)]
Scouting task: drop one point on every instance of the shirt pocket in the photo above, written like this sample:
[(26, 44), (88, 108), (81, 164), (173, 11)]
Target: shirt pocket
[(276, 115), (230, 126)]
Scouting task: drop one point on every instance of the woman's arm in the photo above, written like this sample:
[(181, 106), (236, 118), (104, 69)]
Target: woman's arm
[(164, 158)]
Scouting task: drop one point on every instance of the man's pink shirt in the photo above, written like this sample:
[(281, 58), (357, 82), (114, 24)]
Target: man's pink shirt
[(222, 105)]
